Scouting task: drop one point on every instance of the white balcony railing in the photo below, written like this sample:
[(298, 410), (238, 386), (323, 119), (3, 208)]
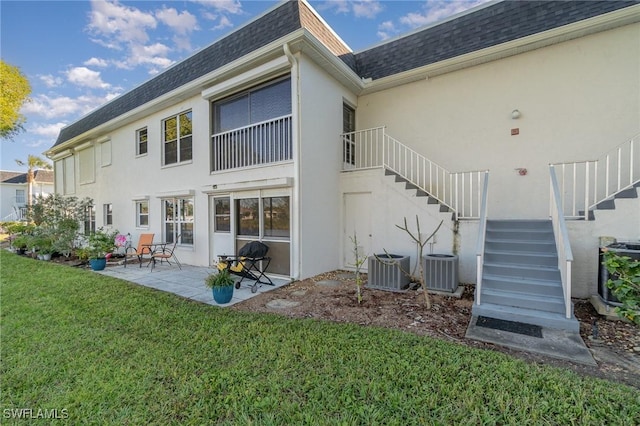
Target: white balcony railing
[(257, 144), (565, 256), (372, 148), (585, 184)]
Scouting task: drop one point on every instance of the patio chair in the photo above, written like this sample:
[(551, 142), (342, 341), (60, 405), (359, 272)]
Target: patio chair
[(251, 262), (144, 247), (164, 253)]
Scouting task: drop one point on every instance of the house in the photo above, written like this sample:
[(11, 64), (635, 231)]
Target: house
[(14, 192), (280, 132)]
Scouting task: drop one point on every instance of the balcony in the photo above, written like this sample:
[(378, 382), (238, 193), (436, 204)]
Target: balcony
[(258, 144)]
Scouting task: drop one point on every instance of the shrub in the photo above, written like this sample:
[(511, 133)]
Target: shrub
[(625, 284)]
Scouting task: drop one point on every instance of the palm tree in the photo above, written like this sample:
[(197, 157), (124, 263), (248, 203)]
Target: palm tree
[(33, 163)]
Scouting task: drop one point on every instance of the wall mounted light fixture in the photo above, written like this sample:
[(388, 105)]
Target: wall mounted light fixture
[(515, 114)]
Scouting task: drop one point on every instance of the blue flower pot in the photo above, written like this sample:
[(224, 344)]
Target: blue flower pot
[(98, 264), (223, 295)]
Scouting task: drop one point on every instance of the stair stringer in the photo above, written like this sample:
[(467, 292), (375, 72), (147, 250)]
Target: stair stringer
[(521, 280)]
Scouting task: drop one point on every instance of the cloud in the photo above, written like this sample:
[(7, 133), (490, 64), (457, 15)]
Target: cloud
[(96, 62), (233, 7), (50, 80), (339, 6), (223, 23), (83, 76), (48, 130), (180, 23), (437, 10), (366, 8), (114, 23), (51, 107), (386, 30)]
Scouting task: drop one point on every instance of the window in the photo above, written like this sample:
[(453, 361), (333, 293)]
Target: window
[(108, 214), (89, 220), (142, 214), (20, 197), (253, 106), (222, 213), (349, 126), (176, 135), (178, 220), (248, 217), (141, 141), (275, 217), (275, 213)]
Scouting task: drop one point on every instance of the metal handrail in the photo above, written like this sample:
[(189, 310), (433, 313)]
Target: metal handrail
[(373, 148), (482, 230), (563, 246), (585, 184)]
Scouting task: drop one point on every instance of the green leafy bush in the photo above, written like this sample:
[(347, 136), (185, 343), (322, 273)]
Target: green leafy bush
[(625, 284)]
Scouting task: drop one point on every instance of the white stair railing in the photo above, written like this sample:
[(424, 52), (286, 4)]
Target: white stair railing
[(482, 232), (565, 255), (585, 184), (373, 148)]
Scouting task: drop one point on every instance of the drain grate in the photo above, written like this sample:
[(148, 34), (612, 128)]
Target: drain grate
[(510, 326)]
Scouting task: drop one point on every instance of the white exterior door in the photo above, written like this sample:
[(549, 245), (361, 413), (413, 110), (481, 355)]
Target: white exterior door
[(357, 224)]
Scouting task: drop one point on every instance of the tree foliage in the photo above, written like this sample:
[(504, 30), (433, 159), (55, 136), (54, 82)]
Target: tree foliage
[(15, 89), (33, 163)]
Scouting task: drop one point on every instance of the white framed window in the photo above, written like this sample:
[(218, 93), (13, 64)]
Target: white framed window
[(222, 213), (141, 141), (178, 215), (20, 196), (65, 175), (177, 138), (142, 213), (108, 214), (89, 220)]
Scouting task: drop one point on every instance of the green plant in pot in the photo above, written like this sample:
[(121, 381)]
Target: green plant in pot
[(222, 285), (99, 245), (20, 243)]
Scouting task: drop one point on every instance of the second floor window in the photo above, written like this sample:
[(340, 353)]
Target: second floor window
[(141, 141), (177, 138)]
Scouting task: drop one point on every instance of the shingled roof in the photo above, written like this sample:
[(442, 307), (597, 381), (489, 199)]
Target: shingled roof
[(488, 26), (485, 27), (41, 176)]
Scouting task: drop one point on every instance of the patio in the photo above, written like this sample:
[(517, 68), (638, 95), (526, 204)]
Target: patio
[(187, 282)]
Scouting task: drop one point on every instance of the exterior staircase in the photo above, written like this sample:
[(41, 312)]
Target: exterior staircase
[(610, 203), (419, 192), (520, 276)]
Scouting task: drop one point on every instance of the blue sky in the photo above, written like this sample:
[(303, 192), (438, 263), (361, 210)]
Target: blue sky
[(80, 54)]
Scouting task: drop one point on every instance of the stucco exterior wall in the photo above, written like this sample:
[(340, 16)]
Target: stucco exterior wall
[(577, 99)]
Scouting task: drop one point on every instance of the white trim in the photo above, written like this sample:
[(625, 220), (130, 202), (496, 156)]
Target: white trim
[(249, 185), (83, 146), (271, 67), (61, 155), (183, 193), (140, 198)]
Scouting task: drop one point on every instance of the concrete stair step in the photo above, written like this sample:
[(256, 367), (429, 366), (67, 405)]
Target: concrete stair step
[(546, 303), (536, 272), (521, 258), (524, 286), (520, 246), (520, 234), (519, 224), (527, 316)]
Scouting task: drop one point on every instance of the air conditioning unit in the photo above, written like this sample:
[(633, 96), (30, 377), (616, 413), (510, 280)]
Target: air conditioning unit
[(440, 272), (389, 272)]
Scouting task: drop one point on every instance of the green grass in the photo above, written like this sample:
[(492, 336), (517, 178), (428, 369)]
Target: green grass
[(107, 351)]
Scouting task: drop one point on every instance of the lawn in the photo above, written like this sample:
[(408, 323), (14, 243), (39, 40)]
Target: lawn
[(97, 350)]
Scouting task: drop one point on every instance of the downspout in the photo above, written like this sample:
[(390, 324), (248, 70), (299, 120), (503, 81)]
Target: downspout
[(296, 237)]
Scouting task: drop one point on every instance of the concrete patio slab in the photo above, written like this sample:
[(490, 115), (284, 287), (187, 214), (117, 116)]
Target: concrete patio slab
[(187, 282)]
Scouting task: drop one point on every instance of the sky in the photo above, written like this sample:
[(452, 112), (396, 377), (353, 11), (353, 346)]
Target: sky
[(78, 55)]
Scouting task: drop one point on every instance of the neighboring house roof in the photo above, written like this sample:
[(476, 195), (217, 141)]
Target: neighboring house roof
[(41, 176), (484, 27)]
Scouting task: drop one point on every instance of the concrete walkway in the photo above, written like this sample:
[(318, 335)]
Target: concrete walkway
[(187, 282)]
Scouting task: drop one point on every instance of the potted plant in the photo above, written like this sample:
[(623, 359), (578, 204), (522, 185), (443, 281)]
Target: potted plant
[(99, 244), (222, 285), (20, 244)]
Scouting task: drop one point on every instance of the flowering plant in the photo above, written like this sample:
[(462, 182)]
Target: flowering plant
[(120, 240)]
